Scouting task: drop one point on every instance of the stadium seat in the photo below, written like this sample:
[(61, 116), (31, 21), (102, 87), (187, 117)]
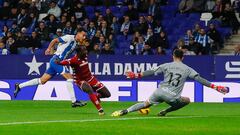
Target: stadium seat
[(39, 51), (225, 32), (114, 9), (165, 23), (123, 9), (119, 51), (118, 1), (120, 38), (173, 2), (29, 30), (45, 45), (167, 16), (118, 15), (181, 16), (134, 23), (89, 9), (195, 16), (24, 51), (143, 14), (1, 3), (2, 23), (217, 23), (9, 23), (102, 9), (168, 9), (124, 45), (169, 30), (168, 52), (91, 16)]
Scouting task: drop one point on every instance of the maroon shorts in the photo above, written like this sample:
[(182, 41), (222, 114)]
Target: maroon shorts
[(93, 82)]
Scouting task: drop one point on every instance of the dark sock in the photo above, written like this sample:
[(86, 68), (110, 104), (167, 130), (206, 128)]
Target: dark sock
[(175, 107)]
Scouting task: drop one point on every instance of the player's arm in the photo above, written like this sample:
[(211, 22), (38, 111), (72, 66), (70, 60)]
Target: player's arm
[(51, 45), (66, 62), (62, 39), (150, 72), (205, 82)]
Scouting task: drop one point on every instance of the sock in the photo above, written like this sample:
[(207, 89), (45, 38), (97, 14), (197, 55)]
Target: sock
[(137, 107), (95, 101), (32, 82), (175, 107), (71, 90)]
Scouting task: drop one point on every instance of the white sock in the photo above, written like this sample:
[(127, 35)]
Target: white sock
[(32, 82), (71, 90)]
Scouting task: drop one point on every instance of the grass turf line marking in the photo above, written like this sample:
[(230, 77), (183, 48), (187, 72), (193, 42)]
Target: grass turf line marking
[(96, 120)]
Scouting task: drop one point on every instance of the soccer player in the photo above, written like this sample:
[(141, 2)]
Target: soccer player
[(66, 45), (84, 79), (170, 89)]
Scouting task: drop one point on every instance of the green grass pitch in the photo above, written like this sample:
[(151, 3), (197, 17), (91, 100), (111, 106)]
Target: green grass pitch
[(58, 118)]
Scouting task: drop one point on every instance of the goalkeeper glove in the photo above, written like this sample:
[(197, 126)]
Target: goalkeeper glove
[(132, 75), (220, 89)]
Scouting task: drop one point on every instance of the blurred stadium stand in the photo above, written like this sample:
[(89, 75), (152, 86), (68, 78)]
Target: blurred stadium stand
[(173, 22)]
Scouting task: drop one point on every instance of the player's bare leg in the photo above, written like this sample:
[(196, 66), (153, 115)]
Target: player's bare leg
[(103, 93), (75, 102), (93, 97), (183, 101), (133, 108), (37, 81)]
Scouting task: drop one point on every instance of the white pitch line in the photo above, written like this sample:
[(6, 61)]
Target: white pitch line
[(95, 120)]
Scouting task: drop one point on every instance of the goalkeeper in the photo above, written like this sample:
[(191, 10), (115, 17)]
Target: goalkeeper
[(170, 89)]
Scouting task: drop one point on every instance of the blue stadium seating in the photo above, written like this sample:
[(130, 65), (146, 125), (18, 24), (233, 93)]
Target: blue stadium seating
[(102, 9), (119, 51), (217, 23), (45, 45), (123, 9), (24, 51), (225, 32), (89, 10), (173, 2), (9, 23), (1, 3), (114, 9), (173, 23), (118, 14), (39, 51), (195, 16), (124, 45)]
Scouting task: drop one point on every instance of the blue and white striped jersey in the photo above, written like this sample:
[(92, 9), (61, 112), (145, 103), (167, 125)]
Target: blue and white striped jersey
[(66, 46)]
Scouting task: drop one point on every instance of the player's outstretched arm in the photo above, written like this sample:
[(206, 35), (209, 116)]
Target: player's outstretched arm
[(52, 43), (64, 62), (221, 89), (71, 61), (132, 75), (150, 72)]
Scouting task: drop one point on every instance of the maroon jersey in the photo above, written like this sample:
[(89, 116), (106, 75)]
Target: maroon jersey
[(81, 71)]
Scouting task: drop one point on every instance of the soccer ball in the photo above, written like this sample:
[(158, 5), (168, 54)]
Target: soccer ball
[(144, 111)]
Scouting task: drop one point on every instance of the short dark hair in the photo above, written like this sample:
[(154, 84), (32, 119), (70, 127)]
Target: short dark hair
[(178, 53), (80, 30), (80, 48)]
